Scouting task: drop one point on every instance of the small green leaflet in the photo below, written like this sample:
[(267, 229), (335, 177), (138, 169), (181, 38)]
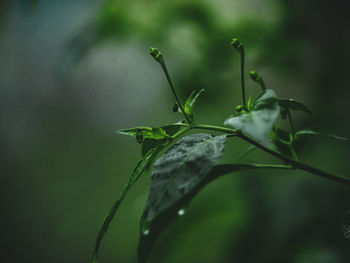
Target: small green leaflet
[(153, 137), (303, 133), (150, 143), (156, 133), (175, 175), (294, 105), (190, 103), (259, 122), (142, 165)]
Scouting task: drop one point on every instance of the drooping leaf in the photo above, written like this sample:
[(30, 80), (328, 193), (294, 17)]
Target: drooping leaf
[(346, 224), (141, 166), (150, 230), (259, 122), (174, 176), (303, 133), (190, 103), (150, 143), (294, 105)]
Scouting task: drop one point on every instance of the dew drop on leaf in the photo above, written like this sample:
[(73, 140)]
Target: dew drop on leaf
[(346, 224), (146, 232), (181, 212), (145, 229)]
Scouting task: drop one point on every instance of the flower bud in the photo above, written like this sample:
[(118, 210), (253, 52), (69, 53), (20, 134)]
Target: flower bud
[(156, 54), (239, 108), (237, 44), (254, 75)]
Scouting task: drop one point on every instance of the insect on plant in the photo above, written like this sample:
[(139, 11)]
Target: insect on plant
[(190, 162)]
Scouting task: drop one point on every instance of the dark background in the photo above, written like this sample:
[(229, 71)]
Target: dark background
[(72, 72)]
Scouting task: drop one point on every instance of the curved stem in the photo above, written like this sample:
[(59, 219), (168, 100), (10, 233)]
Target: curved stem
[(215, 128), (242, 77), (174, 92), (295, 163), (291, 123)]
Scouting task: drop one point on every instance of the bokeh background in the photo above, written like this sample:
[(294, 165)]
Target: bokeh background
[(72, 72)]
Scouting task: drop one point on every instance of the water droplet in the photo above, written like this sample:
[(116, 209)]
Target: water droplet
[(346, 224), (181, 212), (145, 228), (146, 232)]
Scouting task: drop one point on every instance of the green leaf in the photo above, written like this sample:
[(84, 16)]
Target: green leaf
[(169, 130), (258, 123), (190, 103), (142, 133), (303, 133), (177, 201), (294, 105), (266, 100), (174, 176), (141, 166)]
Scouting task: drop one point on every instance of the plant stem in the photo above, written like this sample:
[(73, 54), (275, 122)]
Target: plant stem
[(242, 76), (291, 140), (291, 124), (215, 128), (293, 152), (273, 166), (244, 154), (296, 164), (174, 92)]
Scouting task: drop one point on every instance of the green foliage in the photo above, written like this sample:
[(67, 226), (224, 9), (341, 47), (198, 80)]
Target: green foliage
[(167, 131), (190, 103), (191, 162), (291, 104), (175, 175), (258, 122), (141, 166)]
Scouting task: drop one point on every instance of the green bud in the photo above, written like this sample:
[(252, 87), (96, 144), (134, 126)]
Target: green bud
[(256, 77), (156, 54), (237, 44), (239, 108)]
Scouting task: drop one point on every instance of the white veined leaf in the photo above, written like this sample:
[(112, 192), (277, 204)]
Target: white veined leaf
[(259, 122)]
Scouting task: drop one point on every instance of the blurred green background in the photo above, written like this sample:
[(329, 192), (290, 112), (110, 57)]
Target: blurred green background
[(72, 72)]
